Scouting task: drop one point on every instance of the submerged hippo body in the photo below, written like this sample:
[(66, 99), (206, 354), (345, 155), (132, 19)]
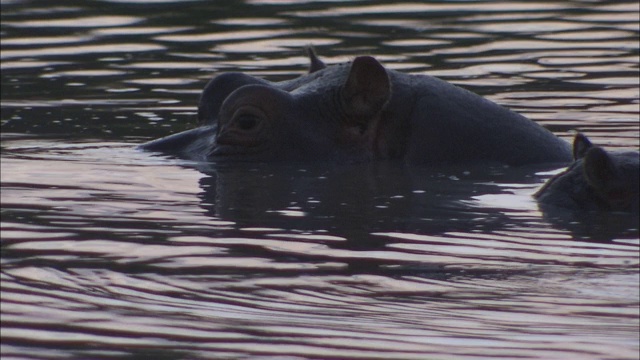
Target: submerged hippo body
[(597, 181), (355, 112)]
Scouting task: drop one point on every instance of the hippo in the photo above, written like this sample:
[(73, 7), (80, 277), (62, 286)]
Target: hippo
[(598, 180), (353, 112)]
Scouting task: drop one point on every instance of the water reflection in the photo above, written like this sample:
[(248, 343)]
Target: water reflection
[(330, 259)]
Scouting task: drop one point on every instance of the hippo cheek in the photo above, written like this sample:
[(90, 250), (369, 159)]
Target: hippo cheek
[(622, 197), (619, 200)]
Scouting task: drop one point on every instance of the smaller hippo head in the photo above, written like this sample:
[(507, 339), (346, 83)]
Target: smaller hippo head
[(597, 180)]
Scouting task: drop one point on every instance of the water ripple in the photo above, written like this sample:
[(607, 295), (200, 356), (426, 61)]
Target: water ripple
[(109, 252)]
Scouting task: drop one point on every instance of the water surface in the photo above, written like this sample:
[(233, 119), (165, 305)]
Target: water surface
[(109, 252)]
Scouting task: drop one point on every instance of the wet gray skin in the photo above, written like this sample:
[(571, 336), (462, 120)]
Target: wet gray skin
[(598, 180), (356, 112)]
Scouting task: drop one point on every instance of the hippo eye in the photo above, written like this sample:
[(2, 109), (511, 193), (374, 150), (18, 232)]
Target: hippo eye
[(246, 127), (246, 122)]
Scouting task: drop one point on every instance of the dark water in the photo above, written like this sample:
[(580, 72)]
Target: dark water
[(110, 253)]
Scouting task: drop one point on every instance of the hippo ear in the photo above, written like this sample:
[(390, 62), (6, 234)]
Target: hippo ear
[(315, 63), (367, 89), (598, 168), (581, 145)]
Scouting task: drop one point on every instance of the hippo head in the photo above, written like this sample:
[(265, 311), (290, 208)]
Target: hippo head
[(308, 121), (597, 180), (327, 114), (222, 85), (357, 112), (613, 176)]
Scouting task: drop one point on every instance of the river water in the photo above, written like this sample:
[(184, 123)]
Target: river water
[(112, 253)]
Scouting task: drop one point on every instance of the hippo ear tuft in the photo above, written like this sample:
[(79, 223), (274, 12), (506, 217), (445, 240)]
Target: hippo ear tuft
[(598, 168), (581, 145), (315, 63), (367, 89)]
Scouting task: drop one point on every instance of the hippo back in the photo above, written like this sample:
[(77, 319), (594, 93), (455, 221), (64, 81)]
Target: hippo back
[(452, 125)]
